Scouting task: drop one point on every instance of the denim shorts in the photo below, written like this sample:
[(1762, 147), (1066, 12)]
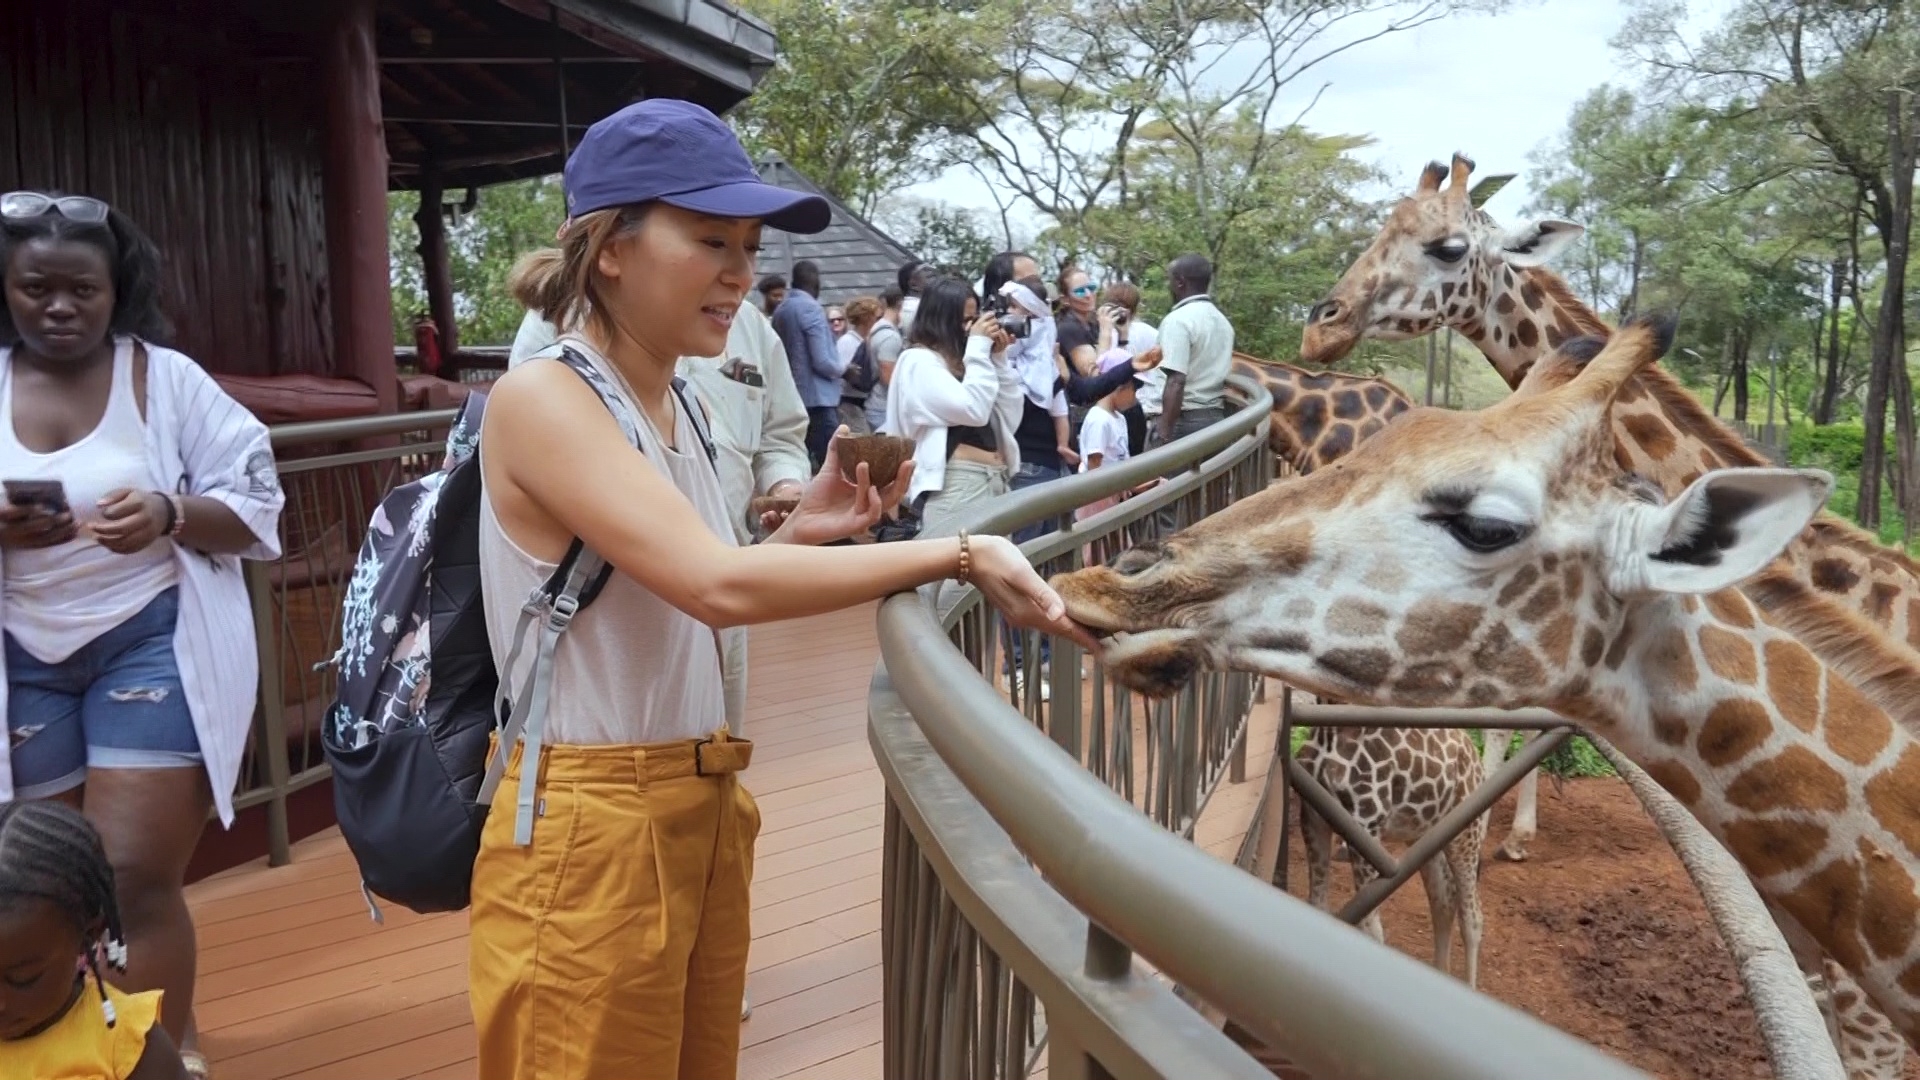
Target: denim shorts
[(117, 703)]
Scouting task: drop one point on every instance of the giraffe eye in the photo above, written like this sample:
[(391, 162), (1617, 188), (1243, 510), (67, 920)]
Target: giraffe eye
[(1484, 535), (1450, 250)]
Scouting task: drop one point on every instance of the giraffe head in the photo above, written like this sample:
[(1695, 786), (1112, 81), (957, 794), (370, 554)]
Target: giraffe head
[(1454, 559), (1438, 261)]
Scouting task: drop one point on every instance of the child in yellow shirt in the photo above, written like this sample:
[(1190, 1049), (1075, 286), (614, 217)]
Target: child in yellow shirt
[(59, 1020)]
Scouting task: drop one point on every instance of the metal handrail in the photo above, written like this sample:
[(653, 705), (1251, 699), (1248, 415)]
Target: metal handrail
[(1321, 992), (349, 428)]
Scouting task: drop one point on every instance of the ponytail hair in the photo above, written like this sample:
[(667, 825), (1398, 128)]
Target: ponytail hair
[(562, 283)]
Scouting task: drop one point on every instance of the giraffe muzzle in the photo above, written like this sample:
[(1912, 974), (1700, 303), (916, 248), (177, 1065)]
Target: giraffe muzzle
[(1155, 663)]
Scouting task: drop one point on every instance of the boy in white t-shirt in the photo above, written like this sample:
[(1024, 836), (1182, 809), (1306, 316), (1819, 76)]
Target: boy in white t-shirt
[(1103, 434)]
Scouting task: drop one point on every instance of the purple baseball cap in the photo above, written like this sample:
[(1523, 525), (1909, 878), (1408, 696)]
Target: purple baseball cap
[(683, 155)]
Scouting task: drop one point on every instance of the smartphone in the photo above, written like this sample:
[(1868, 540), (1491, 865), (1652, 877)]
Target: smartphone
[(49, 495)]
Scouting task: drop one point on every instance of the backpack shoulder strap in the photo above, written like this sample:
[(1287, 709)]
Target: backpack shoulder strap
[(702, 422), (574, 584)]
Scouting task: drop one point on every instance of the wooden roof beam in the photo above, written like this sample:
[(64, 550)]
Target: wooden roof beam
[(502, 49), (485, 116)]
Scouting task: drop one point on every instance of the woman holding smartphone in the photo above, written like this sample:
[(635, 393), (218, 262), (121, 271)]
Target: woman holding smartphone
[(130, 659), (613, 941)]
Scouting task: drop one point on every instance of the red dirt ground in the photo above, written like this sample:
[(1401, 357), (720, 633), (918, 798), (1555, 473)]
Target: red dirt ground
[(1601, 933)]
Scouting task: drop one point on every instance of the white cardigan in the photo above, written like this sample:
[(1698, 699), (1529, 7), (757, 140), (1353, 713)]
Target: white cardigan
[(202, 442), (924, 400)]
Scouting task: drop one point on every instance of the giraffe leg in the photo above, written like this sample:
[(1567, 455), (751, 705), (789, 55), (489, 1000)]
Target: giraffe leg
[(1440, 906), (1870, 1048), (1363, 875), (1317, 835), (1463, 866), (1526, 812)]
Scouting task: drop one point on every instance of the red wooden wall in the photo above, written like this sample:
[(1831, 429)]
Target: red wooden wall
[(216, 156)]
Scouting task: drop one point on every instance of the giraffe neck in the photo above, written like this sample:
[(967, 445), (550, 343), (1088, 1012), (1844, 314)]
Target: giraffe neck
[(1320, 416), (1518, 315), (1663, 433), (1810, 783)]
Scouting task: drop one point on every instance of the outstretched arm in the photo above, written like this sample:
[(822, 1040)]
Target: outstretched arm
[(542, 421)]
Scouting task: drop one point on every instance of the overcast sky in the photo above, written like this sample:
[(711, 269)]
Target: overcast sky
[(1494, 87)]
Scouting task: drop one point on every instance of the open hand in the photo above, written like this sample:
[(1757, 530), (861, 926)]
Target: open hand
[(130, 520), (33, 526), (1147, 360), (832, 509), (1011, 585)]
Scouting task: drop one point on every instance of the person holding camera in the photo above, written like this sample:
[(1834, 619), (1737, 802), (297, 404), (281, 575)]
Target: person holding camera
[(1122, 328), (957, 397)]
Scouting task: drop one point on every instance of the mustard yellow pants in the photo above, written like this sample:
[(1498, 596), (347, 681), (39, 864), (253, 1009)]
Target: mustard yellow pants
[(614, 947)]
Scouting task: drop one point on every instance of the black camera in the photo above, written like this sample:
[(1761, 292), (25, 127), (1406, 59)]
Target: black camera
[(1011, 321)]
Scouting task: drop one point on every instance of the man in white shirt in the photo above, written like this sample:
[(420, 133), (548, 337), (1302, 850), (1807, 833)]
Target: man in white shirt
[(1196, 352)]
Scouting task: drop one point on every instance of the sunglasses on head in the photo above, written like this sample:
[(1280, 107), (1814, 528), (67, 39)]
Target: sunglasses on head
[(20, 205)]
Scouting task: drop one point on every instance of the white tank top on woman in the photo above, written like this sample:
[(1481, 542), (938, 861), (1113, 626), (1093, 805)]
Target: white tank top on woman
[(631, 668), (60, 598)]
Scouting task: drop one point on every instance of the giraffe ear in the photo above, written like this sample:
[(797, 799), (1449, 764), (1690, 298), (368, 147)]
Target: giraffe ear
[(1726, 527), (1538, 242)]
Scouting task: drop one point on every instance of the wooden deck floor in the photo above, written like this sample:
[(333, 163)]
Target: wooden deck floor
[(297, 982)]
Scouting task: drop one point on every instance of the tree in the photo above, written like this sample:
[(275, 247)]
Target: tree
[(508, 220), (952, 238), (867, 98), (1842, 78), (1083, 78), (1279, 235)]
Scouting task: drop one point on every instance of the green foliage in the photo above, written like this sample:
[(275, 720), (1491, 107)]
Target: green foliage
[(868, 98), (508, 221), (1279, 235), (951, 238), (1839, 449)]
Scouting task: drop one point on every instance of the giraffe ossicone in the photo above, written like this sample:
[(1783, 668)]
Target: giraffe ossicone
[(1505, 558)]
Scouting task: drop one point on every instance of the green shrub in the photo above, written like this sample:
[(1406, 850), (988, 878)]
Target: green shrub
[(1839, 448)]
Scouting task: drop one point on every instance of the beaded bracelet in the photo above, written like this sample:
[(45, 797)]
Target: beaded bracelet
[(966, 566)]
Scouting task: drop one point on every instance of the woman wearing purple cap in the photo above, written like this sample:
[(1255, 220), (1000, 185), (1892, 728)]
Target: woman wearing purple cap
[(613, 941)]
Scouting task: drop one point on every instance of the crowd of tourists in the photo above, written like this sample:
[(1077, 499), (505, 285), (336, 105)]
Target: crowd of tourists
[(609, 929)]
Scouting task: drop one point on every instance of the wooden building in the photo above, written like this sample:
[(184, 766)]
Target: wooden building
[(256, 141), (855, 256)]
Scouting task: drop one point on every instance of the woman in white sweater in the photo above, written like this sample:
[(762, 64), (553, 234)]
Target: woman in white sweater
[(956, 396)]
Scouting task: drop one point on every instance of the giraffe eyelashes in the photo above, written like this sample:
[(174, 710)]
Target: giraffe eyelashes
[(1450, 250), (1484, 535)]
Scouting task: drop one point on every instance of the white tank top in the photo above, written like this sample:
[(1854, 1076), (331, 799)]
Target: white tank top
[(631, 668), (60, 598)]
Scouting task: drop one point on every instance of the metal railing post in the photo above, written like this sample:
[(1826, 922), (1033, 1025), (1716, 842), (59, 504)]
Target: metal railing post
[(272, 711)]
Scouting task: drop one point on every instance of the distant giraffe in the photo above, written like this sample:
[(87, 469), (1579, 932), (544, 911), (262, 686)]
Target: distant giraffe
[(1319, 416), (1397, 783)]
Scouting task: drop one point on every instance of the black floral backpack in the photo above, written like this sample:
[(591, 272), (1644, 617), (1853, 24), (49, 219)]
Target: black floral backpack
[(418, 693)]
